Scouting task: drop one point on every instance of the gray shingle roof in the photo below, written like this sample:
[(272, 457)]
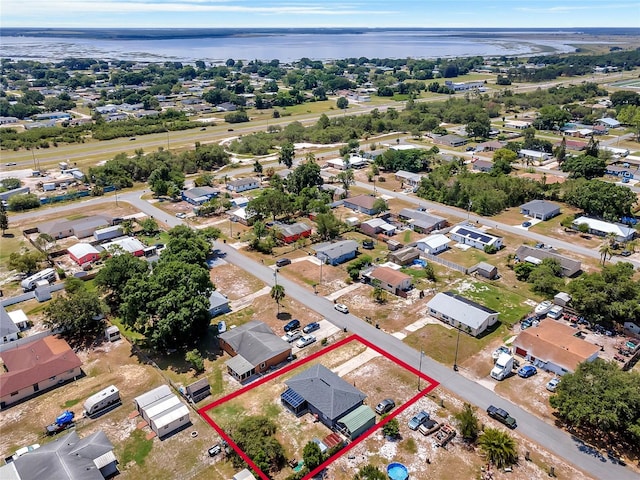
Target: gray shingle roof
[(336, 250), (569, 265), (68, 457), (326, 391), (255, 342), (540, 206)]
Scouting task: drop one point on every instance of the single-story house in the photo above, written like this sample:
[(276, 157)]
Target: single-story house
[(572, 145), (19, 319), (199, 195), (553, 346), (375, 226), (389, 279), (241, 215), (107, 233), (357, 422), (468, 235), (254, 348), (240, 201), (533, 155), (322, 393), (82, 253), (291, 233), (361, 203), (490, 146), (35, 367), (483, 166), (421, 221), (8, 120), (517, 124), (570, 267), (163, 411), (486, 270), (218, 304), (5, 196), (243, 184), (449, 140), (226, 107), (66, 458), (198, 390), (128, 244), (622, 232), (600, 130), (8, 329), (433, 244), (462, 313), (81, 228), (340, 164), (608, 122), (52, 116), (410, 178), (338, 252), (542, 209), (244, 475), (404, 256), (618, 171)]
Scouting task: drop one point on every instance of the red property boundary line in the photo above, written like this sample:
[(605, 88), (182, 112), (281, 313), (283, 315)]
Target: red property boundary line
[(352, 338)]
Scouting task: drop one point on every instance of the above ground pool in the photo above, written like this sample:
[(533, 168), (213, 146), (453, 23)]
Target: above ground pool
[(397, 471)]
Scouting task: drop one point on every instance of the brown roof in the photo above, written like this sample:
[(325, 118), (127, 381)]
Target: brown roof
[(389, 275), (36, 361), (552, 341), (364, 201)]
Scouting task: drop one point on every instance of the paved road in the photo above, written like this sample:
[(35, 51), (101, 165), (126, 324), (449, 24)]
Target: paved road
[(552, 438)]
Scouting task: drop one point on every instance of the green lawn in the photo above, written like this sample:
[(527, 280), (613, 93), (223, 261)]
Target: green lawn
[(136, 448), (510, 304)]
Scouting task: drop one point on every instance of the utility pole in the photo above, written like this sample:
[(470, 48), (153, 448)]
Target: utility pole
[(420, 368), (455, 361)]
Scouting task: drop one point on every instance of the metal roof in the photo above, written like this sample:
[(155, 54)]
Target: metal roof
[(460, 309), (239, 365), (338, 249), (360, 417), (152, 396)]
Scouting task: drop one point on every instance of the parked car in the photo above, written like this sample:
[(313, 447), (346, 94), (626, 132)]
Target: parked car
[(429, 427), (502, 416), (341, 307), (553, 384), (292, 325), (418, 420), (499, 350), (215, 450), (526, 224), (526, 323), (625, 253), (367, 244), (311, 327), (385, 406), (292, 336), (222, 326), (281, 262), (10, 164), (305, 340), (181, 215), (527, 371)]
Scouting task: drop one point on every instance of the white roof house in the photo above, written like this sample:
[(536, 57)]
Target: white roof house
[(433, 243), (462, 313), (608, 122), (19, 318), (622, 232), (469, 235), (533, 154)]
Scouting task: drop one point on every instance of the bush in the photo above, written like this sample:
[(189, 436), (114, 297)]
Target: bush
[(195, 359)]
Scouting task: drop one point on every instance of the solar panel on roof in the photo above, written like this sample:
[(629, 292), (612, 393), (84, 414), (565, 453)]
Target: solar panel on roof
[(293, 398)]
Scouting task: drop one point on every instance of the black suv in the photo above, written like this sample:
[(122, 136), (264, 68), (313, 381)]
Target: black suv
[(292, 325), (282, 262), (502, 416)]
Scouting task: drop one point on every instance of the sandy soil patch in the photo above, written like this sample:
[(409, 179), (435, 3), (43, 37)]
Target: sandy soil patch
[(234, 282)]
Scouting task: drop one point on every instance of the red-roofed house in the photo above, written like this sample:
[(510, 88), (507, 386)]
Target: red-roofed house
[(36, 367), (552, 346)]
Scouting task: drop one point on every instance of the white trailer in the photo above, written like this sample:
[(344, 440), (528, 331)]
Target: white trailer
[(29, 283), (101, 401)]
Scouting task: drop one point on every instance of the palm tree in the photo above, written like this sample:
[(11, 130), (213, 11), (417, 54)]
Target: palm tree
[(499, 447), (605, 250), (277, 293), (631, 245), (468, 423)]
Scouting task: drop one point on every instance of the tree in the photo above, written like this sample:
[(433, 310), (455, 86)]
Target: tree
[(602, 397), (78, 313), (380, 205), (117, 271), (391, 429), (149, 226), (499, 447), (255, 435), (630, 115), (561, 152), (278, 294), (4, 219), (378, 294), (593, 148), (27, 262), (287, 151), (312, 455), (605, 251), (44, 241), (195, 358), (257, 167), (502, 160), (600, 199), (25, 201), (327, 226), (304, 176), (584, 166), (342, 103), (468, 423), (346, 178), (370, 472)]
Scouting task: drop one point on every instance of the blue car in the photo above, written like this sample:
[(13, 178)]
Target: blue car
[(418, 420), (527, 371), (311, 327)]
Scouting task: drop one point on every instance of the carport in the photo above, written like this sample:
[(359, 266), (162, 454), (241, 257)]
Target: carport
[(354, 424)]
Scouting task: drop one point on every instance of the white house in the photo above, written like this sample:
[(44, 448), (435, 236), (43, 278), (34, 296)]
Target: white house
[(462, 313), (243, 184), (433, 244), (8, 330), (608, 122), (468, 235), (533, 155), (622, 232)]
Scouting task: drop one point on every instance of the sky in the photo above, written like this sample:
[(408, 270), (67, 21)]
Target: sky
[(319, 13)]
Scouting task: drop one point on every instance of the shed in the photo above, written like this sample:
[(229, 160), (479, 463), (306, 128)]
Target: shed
[(218, 304), (433, 244), (354, 424), (404, 256), (82, 253), (244, 475), (198, 390), (487, 270), (107, 233), (170, 420), (562, 299)]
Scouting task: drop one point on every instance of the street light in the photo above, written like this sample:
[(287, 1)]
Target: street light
[(455, 361), (469, 211), (420, 368)]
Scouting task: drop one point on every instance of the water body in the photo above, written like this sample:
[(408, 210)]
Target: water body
[(286, 45)]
